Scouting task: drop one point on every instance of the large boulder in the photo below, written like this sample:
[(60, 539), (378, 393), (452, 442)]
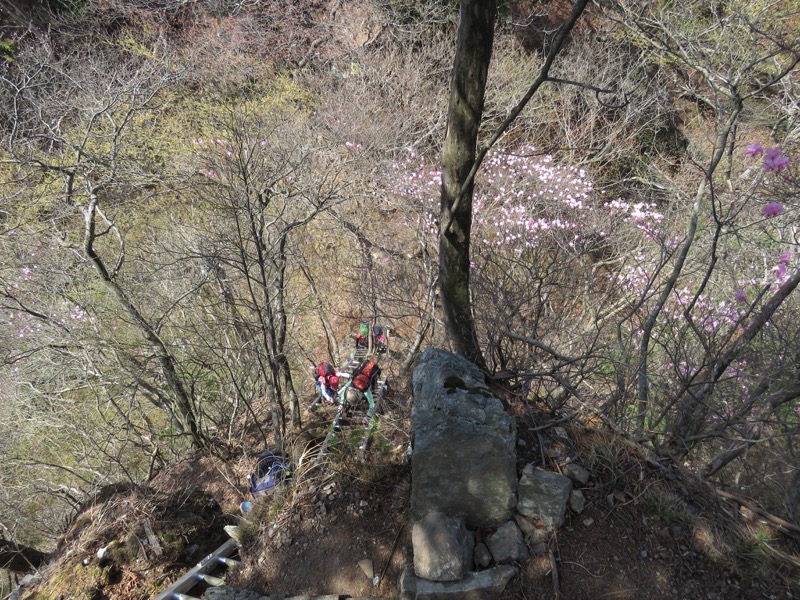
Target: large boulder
[(464, 444), (443, 547)]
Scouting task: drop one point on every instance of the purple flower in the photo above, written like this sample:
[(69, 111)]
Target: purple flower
[(774, 160), (772, 209), (741, 296), (775, 165), (785, 257), (754, 150)]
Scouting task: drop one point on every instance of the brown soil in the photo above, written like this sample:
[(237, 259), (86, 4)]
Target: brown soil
[(644, 533)]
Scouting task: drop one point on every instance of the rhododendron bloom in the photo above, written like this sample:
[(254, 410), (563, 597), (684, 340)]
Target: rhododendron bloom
[(777, 165), (774, 160), (754, 150), (772, 209)]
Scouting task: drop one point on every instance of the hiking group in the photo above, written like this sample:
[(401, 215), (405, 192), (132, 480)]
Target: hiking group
[(364, 377), (378, 336)]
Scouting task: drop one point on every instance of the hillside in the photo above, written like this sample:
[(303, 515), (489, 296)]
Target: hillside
[(646, 531), (202, 200)]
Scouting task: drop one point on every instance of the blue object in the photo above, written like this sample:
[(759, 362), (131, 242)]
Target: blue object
[(272, 469), (245, 507)]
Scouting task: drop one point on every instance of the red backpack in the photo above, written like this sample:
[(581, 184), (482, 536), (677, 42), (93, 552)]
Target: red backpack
[(324, 370), (365, 375)]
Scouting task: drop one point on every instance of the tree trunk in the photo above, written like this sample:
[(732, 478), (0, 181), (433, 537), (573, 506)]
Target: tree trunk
[(464, 112)]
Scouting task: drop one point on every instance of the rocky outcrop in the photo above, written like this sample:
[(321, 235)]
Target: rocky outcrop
[(464, 475), (543, 497), (443, 547), (463, 460)]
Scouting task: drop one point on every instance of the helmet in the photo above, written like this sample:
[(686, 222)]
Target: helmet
[(333, 382)]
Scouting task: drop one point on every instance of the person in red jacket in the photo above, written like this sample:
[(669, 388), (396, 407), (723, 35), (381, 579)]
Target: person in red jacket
[(327, 382)]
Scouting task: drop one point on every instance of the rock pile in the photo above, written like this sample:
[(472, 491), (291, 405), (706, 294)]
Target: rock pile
[(464, 479)]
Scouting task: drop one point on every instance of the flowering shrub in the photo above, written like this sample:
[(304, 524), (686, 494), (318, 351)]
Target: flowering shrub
[(523, 200), (537, 227)]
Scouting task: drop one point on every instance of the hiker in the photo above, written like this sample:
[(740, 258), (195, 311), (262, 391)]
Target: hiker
[(364, 379), (380, 339), (362, 337), (327, 382), (365, 376)]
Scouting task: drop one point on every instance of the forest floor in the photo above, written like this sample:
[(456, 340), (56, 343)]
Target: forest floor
[(644, 533)]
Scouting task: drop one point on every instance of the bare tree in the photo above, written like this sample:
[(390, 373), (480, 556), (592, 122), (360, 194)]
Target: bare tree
[(81, 143), (264, 185)]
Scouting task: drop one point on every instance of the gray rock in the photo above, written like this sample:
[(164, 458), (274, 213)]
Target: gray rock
[(507, 544), (435, 366), (223, 592), (464, 452), (577, 501), (476, 585), (576, 472), (540, 548), (442, 547), (527, 528), (482, 556), (543, 496)]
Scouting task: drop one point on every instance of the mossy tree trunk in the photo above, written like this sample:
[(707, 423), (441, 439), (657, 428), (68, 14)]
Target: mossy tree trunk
[(465, 109)]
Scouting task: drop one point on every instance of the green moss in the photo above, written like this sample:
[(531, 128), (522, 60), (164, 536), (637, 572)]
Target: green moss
[(8, 49), (82, 581)]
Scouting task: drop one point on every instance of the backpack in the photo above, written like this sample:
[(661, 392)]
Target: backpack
[(377, 331), (272, 469), (363, 329), (365, 375), (324, 370)]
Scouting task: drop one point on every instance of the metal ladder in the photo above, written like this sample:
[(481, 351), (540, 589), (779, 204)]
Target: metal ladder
[(201, 572), (376, 394)]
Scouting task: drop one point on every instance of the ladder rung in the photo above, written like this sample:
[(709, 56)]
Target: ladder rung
[(211, 579)]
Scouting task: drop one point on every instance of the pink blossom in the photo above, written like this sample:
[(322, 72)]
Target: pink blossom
[(754, 150), (772, 209), (780, 271), (741, 296), (774, 160), (785, 257)]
